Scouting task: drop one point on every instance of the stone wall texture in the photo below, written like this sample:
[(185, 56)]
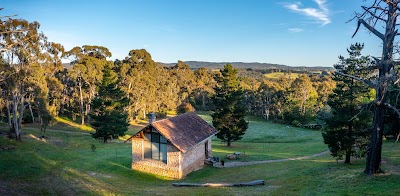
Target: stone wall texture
[(178, 164), (169, 169), (194, 158)]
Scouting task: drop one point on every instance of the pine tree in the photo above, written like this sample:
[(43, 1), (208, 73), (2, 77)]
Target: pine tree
[(110, 118), (346, 132), (229, 112)]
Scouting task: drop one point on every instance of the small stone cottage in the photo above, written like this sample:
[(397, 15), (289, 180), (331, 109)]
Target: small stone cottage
[(172, 147)]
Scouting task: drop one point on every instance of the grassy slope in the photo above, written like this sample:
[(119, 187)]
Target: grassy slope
[(264, 141), (277, 75), (65, 165)]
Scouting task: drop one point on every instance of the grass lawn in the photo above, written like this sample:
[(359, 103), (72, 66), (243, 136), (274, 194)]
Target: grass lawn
[(265, 141), (64, 164)]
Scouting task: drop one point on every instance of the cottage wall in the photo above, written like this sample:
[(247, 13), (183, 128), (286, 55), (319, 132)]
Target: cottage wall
[(194, 158), (169, 169), (209, 148)]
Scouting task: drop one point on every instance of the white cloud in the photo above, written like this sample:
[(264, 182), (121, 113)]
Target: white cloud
[(295, 30), (320, 14)]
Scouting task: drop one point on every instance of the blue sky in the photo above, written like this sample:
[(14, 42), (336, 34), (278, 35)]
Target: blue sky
[(295, 33)]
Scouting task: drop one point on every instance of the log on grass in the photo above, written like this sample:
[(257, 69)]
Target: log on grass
[(240, 184)]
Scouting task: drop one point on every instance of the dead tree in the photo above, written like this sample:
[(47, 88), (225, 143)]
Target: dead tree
[(381, 12)]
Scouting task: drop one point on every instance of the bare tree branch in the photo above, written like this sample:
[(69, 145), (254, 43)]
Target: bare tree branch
[(377, 60), (16, 31), (393, 108), (363, 106), (373, 67), (370, 28), (367, 82), (373, 14), (5, 78)]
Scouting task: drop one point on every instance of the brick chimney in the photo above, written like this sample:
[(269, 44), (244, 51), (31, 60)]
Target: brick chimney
[(152, 117)]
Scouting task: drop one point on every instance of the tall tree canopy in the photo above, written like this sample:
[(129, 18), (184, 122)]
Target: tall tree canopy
[(28, 63), (88, 63), (229, 113), (109, 115), (347, 129)]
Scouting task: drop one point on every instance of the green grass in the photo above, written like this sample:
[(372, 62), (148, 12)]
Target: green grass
[(66, 165), (264, 141)]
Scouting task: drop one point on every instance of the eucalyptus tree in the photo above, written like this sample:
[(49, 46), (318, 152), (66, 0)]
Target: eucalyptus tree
[(303, 93), (138, 75), (380, 13), (88, 63), (185, 81), (324, 86), (29, 60), (205, 85), (270, 99)]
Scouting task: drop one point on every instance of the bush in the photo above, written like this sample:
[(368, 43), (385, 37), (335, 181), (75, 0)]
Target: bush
[(161, 114), (296, 123), (185, 107), (27, 117), (296, 115)]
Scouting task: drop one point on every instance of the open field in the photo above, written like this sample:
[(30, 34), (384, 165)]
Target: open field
[(64, 164), (277, 75), (265, 141)]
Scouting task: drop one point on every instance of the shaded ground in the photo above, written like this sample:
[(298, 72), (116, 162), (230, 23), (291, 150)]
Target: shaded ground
[(241, 163)]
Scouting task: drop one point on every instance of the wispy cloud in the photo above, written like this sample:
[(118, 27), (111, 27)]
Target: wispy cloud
[(295, 30), (320, 14)]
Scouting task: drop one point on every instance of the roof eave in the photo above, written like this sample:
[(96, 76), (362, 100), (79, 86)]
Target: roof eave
[(200, 142)]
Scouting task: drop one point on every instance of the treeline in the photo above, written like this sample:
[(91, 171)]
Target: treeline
[(149, 86), (36, 87), (285, 100)]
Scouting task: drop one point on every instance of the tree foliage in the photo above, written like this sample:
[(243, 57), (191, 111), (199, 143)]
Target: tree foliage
[(28, 63), (109, 116), (88, 63), (347, 129), (229, 112)]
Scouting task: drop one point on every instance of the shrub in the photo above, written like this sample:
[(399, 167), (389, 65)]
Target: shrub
[(185, 107)]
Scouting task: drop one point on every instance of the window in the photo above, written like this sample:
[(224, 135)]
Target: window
[(155, 147)]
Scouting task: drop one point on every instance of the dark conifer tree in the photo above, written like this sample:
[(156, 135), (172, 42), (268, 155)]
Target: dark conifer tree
[(110, 118), (347, 129), (229, 112)]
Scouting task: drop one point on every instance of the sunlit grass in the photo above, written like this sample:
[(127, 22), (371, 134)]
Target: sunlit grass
[(73, 124), (277, 75), (267, 141)]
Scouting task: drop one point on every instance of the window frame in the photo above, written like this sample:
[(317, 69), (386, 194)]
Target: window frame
[(153, 140)]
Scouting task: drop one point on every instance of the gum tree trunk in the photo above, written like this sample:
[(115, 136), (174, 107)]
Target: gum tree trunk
[(373, 165), (385, 12), (81, 104)]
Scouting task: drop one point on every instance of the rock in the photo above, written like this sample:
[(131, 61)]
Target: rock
[(231, 157)]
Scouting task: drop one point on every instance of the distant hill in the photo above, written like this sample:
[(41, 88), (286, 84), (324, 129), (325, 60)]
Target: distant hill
[(254, 66), (220, 65)]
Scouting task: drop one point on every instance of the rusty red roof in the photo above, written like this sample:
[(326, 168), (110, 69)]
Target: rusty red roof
[(184, 131)]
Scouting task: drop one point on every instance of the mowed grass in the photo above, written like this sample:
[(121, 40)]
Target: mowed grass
[(277, 75), (267, 141), (64, 164)]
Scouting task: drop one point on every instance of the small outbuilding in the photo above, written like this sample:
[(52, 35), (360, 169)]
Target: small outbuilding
[(172, 147)]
